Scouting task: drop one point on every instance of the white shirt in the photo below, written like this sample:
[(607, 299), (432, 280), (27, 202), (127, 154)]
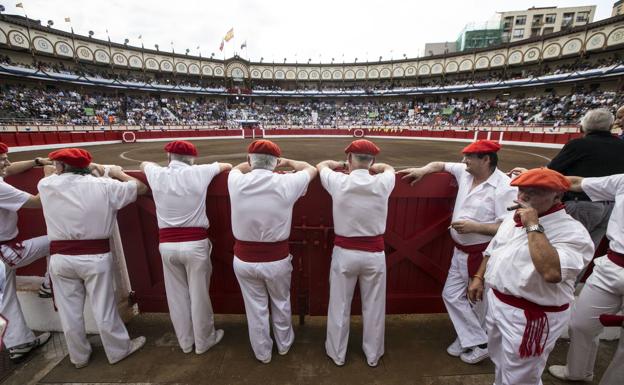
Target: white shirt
[(510, 268), (486, 203), (609, 188), (360, 201), (82, 206), (11, 200), (262, 203), (179, 192)]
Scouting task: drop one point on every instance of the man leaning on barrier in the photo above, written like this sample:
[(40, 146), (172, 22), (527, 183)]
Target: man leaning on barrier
[(482, 199), (360, 209)]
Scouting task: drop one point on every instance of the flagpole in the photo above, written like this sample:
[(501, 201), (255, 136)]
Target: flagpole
[(30, 44)]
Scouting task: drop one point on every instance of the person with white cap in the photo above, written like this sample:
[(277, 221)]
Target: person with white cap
[(531, 266), (360, 210), (602, 295), (80, 212), (179, 192), (262, 202), (481, 205), (18, 338)]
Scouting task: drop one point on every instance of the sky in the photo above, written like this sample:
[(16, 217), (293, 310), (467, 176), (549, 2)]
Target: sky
[(319, 30)]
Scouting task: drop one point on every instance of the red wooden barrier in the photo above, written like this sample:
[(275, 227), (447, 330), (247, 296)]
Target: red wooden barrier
[(418, 246)]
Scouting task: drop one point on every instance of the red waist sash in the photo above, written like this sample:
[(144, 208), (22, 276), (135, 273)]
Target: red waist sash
[(533, 340), (182, 234), (261, 251), (615, 257), (80, 247), (475, 255), (374, 243)]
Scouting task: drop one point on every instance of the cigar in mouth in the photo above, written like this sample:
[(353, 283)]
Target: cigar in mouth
[(514, 207)]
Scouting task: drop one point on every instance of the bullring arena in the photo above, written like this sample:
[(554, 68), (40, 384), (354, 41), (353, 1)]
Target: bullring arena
[(124, 103)]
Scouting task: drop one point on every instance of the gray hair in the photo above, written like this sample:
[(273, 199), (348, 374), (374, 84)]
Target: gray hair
[(263, 161), (599, 119), (188, 159), (362, 159)]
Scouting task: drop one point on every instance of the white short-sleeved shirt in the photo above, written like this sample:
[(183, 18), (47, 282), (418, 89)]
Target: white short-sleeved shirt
[(510, 268), (486, 203), (262, 203), (179, 192), (609, 188), (360, 201), (83, 207), (11, 200)]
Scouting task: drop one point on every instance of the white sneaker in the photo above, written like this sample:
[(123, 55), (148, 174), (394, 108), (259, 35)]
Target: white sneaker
[(561, 372), (455, 349), (19, 353), (135, 344), (338, 363), (475, 355), (265, 361), (284, 352), (219, 336)]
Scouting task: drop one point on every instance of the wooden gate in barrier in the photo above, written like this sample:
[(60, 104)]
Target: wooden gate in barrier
[(418, 247)]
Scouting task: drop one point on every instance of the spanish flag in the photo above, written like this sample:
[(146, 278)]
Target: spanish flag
[(229, 35), (19, 5)]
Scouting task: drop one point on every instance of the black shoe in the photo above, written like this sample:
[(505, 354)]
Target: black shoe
[(19, 353)]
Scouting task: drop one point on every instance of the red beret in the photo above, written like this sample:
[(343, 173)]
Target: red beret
[(481, 146), (3, 148), (362, 146), (181, 147), (75, 157), (542, 178), (263, 146)]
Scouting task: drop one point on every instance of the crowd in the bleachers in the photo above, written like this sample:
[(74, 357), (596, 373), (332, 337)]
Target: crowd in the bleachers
[(62, 106)]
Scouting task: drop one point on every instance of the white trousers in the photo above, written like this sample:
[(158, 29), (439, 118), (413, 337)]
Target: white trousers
[(505, 328), (603, 293), (187, 269), (17, 332), (468, 320), (260, 284), (347, 268), (73, 278)]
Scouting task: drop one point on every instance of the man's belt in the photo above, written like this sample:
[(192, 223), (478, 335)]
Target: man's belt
[(615, 257), (182, 234), (248, 251), (373, 243), (80, 247), (475, 255), (533, 340)]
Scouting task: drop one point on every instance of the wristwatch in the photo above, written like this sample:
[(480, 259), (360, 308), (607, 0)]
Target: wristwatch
[(537, 228)]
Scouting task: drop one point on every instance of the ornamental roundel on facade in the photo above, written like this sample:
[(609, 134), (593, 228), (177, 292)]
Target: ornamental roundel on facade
[(572, 46), (314, 75), (291, 75), (151, 63), (531, 55), (302, 75), (515, 57), (85, 53), (466, 65), (337, 75), (101, 56), (596, 41), (437, 68), (279, 74), (398, 72), (452, 67), (193, 69), (497, 61), (120, 59), (256, 74), (267, 74), (18, 39), (207, 70), (482, 62), (349, 74), (238, 73), (326, 75), (181, 68), (616, 37), (42, 44), (424, 69), (410, 71), (166, 65), (63, 49), (385, 73), (360, 74), (218, 71), (552, 51), (373, 74), (135, 62)]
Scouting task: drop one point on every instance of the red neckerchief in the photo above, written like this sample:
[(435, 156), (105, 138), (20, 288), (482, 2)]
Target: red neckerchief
[(556, 207)]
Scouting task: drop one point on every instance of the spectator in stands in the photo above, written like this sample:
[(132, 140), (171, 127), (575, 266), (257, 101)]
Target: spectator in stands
[(19, 339), (360, 207), (179, 192), (598, 153), (530, 267), (262, 202), (618, 124), (80, 211), (481, 205), (602, 295)]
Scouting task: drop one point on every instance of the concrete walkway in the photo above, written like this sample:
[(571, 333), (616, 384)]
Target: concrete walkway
[(415, 353)]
